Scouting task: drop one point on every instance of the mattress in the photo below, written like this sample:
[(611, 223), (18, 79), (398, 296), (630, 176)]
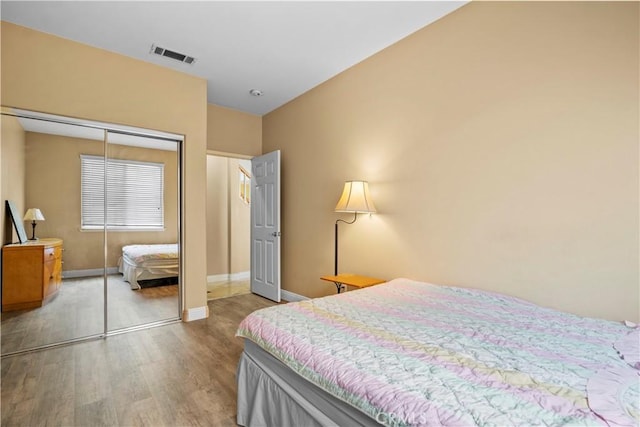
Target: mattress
[(412, 353), (142, 264)]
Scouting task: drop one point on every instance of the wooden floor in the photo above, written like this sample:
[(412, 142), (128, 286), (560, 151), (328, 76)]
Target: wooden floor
[(77, 311), (181, 374), (227, 288)]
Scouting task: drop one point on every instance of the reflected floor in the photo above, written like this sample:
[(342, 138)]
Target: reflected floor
[(77, 311), (228, 288)]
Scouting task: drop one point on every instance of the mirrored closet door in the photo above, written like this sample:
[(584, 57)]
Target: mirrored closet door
[(103, 256), (142, 209)]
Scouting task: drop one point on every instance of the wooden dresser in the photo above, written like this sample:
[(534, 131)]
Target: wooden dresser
[(31, 273)]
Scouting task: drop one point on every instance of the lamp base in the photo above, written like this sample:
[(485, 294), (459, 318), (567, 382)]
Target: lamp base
[(33, 231)]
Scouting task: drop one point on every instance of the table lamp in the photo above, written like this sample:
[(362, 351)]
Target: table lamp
[(33, 215)]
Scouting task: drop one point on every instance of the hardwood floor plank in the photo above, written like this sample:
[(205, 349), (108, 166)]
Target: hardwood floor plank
[(18, 414), (140, 413), (180, 374), (22, 379), (92, 383), (77, 312), (131, 385), (43, 393), (96, 414)]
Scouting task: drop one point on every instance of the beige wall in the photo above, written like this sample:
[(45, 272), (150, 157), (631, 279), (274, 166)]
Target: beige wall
[(12, 147), (53, 186), (217, 216), (234, 132), (240, 220), (45, 73), (228, 218), (501, 147)]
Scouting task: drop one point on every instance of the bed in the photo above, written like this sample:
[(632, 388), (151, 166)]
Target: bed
[(149, 265), (408, 353)]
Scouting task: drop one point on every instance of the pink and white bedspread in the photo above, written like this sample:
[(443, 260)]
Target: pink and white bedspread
[(411, 353)]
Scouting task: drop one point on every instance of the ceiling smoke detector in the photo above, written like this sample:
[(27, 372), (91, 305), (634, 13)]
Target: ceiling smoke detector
[(181, 57), (256, 92)]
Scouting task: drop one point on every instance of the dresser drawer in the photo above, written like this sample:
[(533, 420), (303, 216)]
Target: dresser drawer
[(52, 253)]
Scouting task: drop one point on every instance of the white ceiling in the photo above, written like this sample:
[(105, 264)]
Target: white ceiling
[(283, 48)]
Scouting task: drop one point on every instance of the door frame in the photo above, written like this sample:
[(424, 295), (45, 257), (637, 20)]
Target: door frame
[(235, 156)]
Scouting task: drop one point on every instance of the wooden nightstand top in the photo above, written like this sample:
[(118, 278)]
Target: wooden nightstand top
[(44, 241), (353, 280)]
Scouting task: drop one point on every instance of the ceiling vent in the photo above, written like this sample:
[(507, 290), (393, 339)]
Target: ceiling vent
[(172, 54)]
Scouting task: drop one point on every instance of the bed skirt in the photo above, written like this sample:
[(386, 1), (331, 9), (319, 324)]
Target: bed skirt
[(137, 275), (270, 394)]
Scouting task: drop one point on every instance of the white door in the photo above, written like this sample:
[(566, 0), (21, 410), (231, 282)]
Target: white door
[(265, 225)]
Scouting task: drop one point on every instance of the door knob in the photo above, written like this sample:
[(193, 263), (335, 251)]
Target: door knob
[(275, 234)]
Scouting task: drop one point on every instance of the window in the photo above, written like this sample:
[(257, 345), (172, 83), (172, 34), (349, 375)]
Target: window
[(135, 194), (245, 185)]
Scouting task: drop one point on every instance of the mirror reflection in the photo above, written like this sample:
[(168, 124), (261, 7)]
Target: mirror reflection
[(142, 229), (76, 279)]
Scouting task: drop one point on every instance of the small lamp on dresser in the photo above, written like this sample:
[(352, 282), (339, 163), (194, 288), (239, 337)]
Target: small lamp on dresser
[(33, 215)]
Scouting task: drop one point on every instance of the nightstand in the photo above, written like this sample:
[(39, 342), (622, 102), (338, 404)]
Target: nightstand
[(31, 273), (354, 280)]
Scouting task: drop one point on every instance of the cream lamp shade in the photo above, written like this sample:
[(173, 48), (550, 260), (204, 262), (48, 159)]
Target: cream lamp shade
[(355, 198), (33, 214)]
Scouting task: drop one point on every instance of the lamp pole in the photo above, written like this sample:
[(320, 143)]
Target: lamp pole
[(335, 252), (33, 230)]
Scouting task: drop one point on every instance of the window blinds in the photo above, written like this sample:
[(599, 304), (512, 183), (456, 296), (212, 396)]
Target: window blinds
[(135, 193)]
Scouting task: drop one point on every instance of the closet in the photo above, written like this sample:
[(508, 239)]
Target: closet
[(102, 189)]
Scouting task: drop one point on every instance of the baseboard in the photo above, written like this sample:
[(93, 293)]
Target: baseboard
[(218, 278), (291, 296), (92, 272), (243, 275), (197, 313)]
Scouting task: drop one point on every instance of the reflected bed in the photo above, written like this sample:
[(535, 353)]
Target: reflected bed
[(149, 265)]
